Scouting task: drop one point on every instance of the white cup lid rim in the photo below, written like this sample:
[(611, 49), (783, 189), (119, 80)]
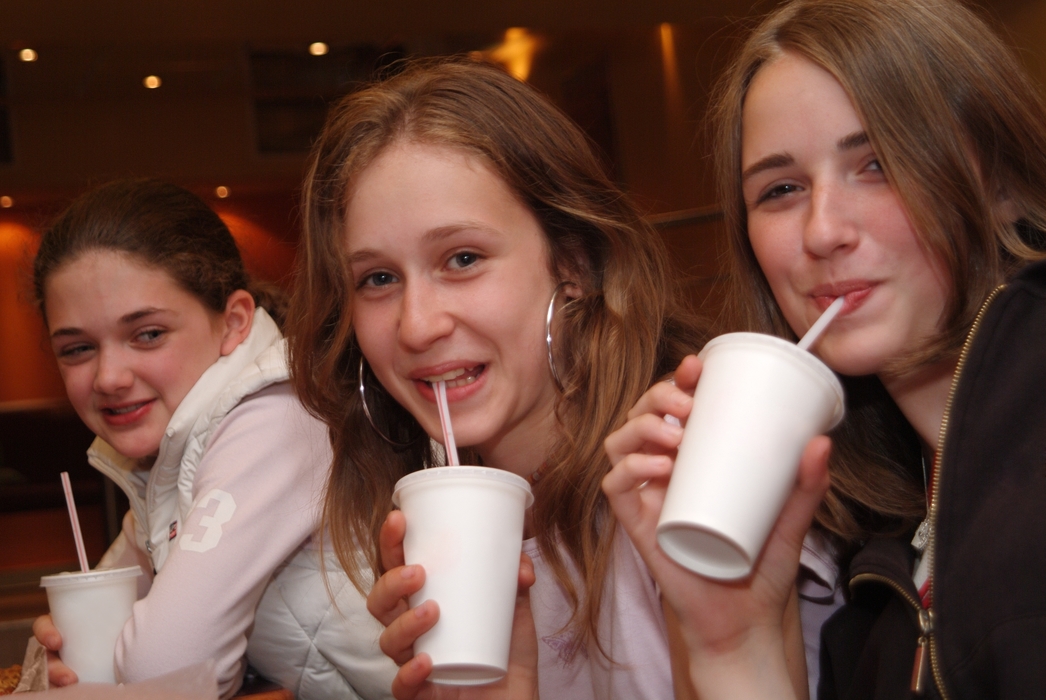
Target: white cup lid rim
[(70, 578), (462, 472)]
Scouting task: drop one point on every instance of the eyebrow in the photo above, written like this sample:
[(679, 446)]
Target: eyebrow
[(781, 160), (125, 319), (431, 236)]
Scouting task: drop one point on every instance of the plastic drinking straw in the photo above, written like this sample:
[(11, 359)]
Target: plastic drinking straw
[(444, 421), (820, 324), (75, 520)]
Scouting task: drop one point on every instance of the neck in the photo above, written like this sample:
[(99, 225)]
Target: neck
[(521, 452), (922, 396)]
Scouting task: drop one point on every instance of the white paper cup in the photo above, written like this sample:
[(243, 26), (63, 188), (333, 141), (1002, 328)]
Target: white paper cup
[(759, 400), (465, 528), (90, 609)]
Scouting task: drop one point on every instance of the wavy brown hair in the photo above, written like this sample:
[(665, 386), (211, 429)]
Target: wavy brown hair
[(958, 128), (622, 333)]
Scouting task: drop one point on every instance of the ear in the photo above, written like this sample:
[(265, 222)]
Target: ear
[(570, 290), (1007, 209), (237, 320)]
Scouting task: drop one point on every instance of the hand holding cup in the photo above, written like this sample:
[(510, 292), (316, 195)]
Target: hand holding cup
[(388, 602)]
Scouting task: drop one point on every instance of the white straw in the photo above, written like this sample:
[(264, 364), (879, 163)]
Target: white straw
[(444, 420), (820, 324), (77, 535)]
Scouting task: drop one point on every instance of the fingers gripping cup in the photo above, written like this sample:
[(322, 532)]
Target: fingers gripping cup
[(89, 609), (465, 528), (760, 399)]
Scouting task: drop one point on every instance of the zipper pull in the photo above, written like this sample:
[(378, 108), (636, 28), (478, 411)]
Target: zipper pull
[(921, 667)]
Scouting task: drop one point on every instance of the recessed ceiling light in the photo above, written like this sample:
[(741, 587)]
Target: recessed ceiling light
[(27, 55), (318, 48), (6, 202), (152, 82), (222, 191)]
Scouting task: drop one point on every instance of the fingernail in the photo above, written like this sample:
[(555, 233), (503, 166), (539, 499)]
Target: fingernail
[(420, 611), (409, 571)]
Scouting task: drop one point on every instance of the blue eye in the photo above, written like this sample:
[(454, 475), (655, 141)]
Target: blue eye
[(777, 191), (378, 279), (73, 351), (463, 259)]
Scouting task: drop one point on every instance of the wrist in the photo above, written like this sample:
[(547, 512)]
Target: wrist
[(752, 666)]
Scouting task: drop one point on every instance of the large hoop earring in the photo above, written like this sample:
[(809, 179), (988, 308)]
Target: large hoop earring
[(370, 419), (548, 333)]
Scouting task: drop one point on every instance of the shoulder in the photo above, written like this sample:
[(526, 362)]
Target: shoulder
[(275, 411), (267, 427)]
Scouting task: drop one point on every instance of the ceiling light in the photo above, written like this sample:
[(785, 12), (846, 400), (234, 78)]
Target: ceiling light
[(152, 82), (6, 202), (318, 48), (27, 55), (222, 191)]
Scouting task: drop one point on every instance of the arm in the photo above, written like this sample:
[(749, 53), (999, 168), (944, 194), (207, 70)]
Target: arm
[(258, 491), (739, 640)]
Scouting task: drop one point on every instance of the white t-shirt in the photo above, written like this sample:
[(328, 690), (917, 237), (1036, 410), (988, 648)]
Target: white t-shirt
[(632, 631)]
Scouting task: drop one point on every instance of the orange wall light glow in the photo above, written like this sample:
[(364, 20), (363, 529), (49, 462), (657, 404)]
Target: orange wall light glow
[(27, 367), (265, 256)]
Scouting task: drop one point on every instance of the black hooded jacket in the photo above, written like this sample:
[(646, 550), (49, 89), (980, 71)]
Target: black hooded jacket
[(986, 627)]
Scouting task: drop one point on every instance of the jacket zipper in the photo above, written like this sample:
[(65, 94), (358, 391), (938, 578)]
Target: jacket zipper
[(927, 631), (927, 654), (140, 513)]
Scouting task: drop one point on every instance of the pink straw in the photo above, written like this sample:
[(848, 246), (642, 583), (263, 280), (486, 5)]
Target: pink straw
[(444, 421), (814, 334), (75, 520)]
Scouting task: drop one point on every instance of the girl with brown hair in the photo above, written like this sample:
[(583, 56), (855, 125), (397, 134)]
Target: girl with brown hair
[(459, 228), (175, 360), (892, 152)]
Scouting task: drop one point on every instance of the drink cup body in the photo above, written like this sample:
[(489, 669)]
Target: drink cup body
[(90, 609), (465, 528), (758, 402)]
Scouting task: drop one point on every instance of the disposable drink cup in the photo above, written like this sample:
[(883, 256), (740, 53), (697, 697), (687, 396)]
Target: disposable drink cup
[(465, 528), (89, 609), (760, 399)]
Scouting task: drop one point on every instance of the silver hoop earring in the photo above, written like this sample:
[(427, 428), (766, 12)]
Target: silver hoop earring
[(366, 412), (548, 333)]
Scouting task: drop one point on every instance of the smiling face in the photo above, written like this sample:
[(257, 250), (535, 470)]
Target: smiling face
[(452, 281), (130, 344), (824, 222)]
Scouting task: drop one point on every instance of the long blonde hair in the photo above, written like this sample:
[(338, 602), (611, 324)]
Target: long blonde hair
[(958, 127), (622, 333)]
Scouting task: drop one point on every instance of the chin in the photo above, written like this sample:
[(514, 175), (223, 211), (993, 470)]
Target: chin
[(134, 449)]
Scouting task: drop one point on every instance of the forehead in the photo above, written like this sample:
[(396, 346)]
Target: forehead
[(412, 189), (104, 281), (792, 101)]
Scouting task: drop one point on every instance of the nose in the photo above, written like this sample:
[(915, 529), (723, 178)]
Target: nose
[(112, 372), (425, 315), (829, 227)]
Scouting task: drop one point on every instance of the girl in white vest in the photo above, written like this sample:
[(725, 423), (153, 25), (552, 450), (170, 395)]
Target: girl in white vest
[(182, 374)]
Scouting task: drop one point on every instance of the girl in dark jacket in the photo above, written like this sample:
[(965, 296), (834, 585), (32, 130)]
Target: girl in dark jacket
[(892, 152)]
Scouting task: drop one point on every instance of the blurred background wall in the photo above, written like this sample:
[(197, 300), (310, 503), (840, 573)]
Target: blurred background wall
[(225, 97)]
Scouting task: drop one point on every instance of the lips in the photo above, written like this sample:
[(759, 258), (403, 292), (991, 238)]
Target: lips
[(126, 413), (461, 380), (461, 376), (855, 292)]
